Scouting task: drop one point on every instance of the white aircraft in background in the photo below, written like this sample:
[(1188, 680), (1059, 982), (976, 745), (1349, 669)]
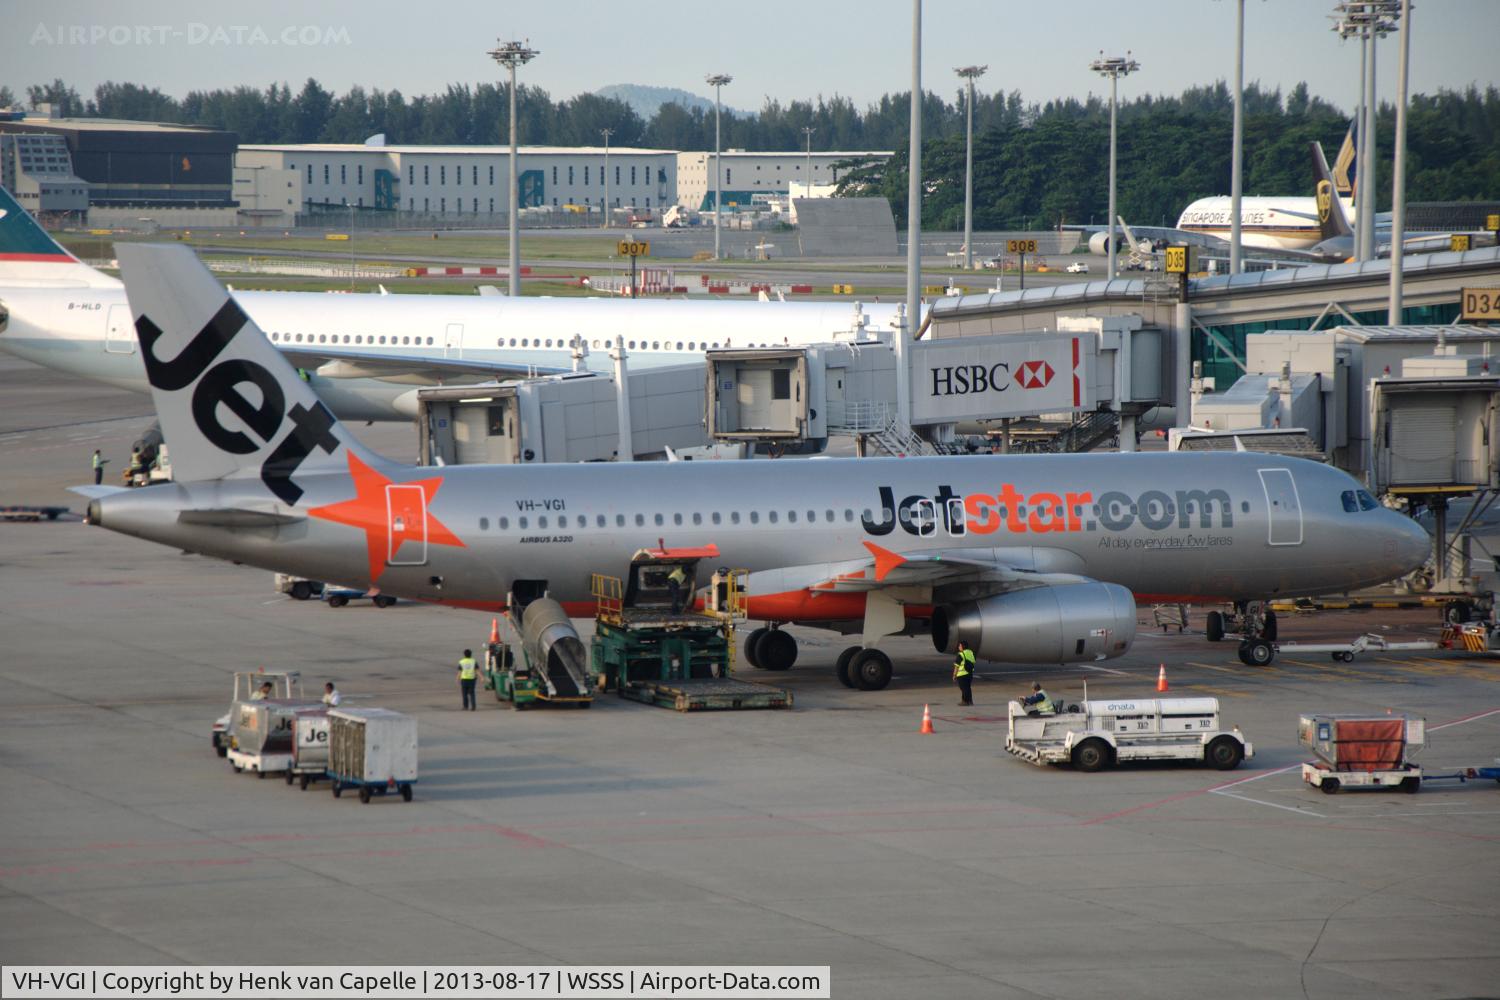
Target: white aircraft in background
[(365, 355)]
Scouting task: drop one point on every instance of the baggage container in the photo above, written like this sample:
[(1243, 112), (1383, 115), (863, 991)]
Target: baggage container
[(1356, 751), (309, 747), (260, 738), (373, 750)]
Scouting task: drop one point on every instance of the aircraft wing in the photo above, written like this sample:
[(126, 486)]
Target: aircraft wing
[(999, 569), (331, 362)]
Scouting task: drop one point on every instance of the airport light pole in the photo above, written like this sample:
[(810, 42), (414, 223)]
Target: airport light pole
[(1113, 67), (717, 81), (1236, 178), (1368, 20), (510, 55), (969, 74), (808, 132), (606, 132), (1398, 168), (913, 224)]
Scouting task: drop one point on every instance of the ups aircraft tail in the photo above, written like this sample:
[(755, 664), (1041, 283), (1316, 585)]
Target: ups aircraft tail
[(29, 257), (231, 407), (1333, 223)]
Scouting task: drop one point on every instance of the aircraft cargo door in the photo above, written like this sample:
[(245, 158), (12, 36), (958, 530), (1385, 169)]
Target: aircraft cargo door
[(1283, 510), (406, 519), (119, 332)]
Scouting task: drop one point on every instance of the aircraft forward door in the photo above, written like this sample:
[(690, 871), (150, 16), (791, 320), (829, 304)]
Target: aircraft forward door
[(119, 332), (406, 523), (453, 340), (1283, 508)]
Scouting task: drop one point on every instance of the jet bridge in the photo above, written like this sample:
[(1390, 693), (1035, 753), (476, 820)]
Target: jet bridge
[(563, 418)]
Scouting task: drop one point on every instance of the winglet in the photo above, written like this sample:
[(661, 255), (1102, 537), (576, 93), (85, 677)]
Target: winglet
[(885, 560)]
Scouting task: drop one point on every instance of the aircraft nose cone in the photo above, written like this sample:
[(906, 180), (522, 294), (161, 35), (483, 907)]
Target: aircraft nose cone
[(1413, 545)]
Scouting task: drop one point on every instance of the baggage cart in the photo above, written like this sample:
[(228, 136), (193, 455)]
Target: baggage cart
[(1357, 751), (371, 750), (284, 684), (261, 737), (309, 747)]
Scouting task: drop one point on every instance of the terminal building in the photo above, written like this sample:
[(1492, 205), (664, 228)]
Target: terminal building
[(449, 183), (763, 174)]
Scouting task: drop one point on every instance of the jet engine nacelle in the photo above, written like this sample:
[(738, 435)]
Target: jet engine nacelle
[(1071, 623), (1099, 244)]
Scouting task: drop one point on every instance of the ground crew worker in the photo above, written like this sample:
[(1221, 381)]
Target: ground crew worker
[(263, 692), (677, 583), (963, 673), (468, 673), (99, 463), (1037, 702), (331, 696)]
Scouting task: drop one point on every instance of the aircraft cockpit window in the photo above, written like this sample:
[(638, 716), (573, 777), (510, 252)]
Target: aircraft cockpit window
[(1351, 505), (1367, 502)]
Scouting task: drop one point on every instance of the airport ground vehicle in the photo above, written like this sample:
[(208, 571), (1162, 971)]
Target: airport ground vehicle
[(1094, 735), (524, 674), (1078, 267), (260, 738), (337, 597), (298, 588), (284, 684), (309, 747), (1356, 751), (372, 750)]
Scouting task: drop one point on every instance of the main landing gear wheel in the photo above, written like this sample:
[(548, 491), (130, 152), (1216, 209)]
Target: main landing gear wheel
[(841, 668), (1213, 626), (1257, 653), (752, 641), (777, 650), (870, 670)]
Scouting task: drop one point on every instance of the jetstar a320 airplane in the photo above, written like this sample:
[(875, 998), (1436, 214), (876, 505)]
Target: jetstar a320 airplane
[(1026, 558), (364, 354)]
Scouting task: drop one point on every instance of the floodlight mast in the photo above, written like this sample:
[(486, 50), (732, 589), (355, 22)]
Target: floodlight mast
[(1113, 67), (606, 132), (717, 81), (969, 74), (510, 55)]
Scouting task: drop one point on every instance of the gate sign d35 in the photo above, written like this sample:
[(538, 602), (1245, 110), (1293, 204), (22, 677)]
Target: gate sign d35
[(1020, 246), (633, 248), (1006, 375), (1177, 260)]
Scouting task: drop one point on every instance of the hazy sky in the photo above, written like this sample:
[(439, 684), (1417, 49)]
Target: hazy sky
[(773, 48)]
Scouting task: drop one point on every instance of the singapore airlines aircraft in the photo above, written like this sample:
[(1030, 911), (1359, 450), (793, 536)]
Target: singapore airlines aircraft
[(1025, 558), (365, 353)]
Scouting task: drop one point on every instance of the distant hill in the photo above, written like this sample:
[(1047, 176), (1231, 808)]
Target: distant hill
[(646, 101)]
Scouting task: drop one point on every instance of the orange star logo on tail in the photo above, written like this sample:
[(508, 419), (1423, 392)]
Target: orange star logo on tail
[(390, 514)]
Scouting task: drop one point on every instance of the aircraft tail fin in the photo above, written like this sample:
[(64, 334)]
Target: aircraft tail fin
[(1346, 164), (1332, 221), (30, 257), (230, 405)]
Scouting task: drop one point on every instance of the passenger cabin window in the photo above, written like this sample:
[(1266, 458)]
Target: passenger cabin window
[(956, 523)]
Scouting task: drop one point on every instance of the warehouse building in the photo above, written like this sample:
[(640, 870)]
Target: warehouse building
[(174, 175), (451, 183), (767, 175)]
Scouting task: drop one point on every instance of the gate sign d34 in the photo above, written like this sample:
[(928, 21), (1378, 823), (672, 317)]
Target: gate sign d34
[(972, 378)]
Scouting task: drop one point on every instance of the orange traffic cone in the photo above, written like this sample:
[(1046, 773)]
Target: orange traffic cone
[(494, 630), (1161, 678), (927, 720)]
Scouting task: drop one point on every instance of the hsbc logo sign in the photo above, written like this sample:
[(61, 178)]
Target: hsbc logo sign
[(1001, 375), (963, 380), (1034, 375)]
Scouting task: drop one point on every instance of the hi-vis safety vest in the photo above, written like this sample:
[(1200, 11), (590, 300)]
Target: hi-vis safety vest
[(677, 575), (965, 663), (98, 461), (466, 668), (1045, 705)]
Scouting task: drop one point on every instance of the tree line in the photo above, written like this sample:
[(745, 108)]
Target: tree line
[(1035, 165)]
